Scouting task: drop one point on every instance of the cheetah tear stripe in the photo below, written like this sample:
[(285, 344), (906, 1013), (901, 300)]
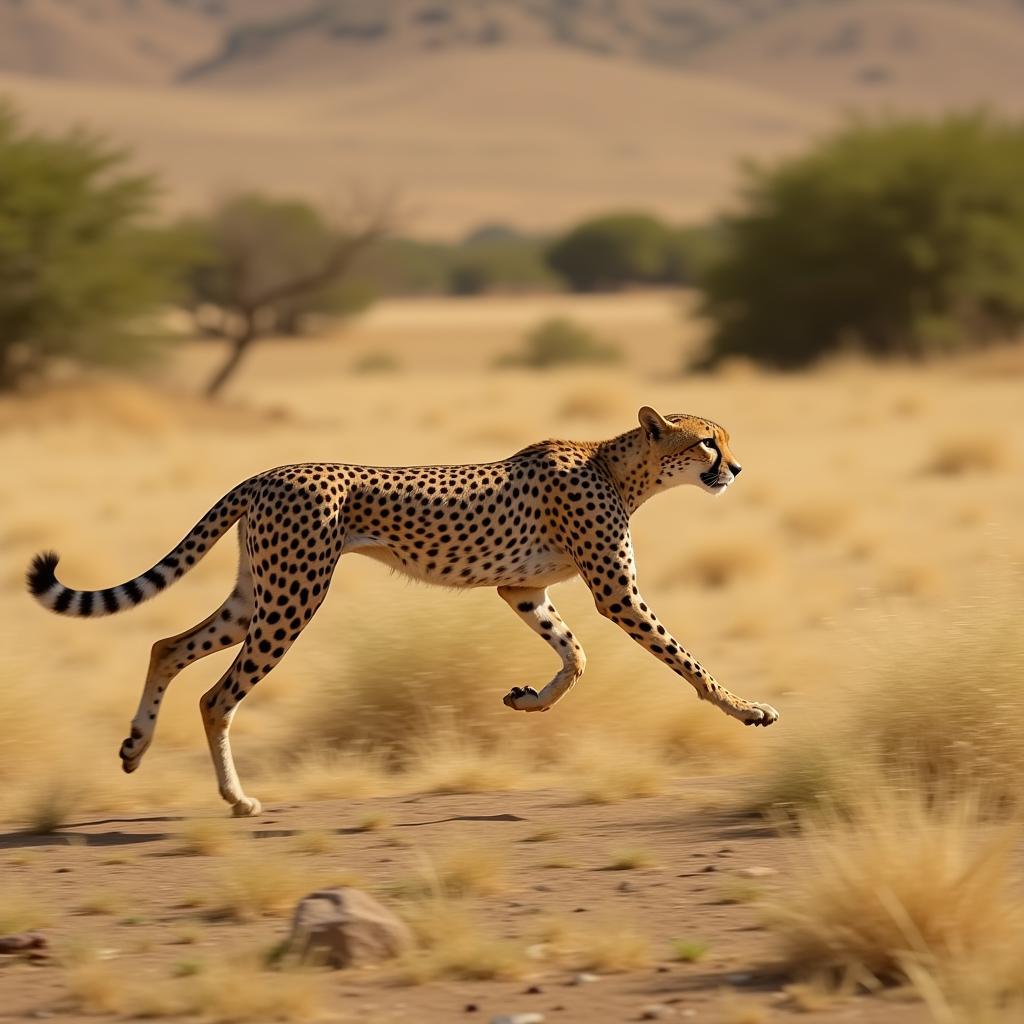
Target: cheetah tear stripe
[(44, 586)]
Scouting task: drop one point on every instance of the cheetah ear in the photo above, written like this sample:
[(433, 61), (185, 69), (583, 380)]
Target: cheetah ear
[(654, 424)]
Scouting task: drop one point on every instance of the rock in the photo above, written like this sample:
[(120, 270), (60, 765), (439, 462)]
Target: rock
[(470, 1008), (340, 927), (24, 942), (583, 978), (519, 1018), (756, 872), (627, 887), (534, 990), (708, 868), (657, 1011)]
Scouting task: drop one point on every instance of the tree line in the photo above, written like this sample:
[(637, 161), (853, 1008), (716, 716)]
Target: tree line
[(894, 237)]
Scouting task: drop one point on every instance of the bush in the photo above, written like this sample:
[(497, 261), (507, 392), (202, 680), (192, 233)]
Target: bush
[(897, 237), (559, 342), (78, 269), (611, 251)]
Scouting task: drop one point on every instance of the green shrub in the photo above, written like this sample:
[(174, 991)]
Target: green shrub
[(894, 237), (611, 251), (78, 266), (559, 342)]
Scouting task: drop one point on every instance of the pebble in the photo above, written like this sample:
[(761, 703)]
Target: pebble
[(627, 887), (709, 868), (519, 1018), (585, 978), (756, 872), (543, 888), (534, 990), (470, 1008), (657, 1011)]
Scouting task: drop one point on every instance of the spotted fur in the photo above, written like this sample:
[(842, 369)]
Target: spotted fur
[(552, 511)]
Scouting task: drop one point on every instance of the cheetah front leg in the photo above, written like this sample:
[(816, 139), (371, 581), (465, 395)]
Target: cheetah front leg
[(617, 598), (534, 607)]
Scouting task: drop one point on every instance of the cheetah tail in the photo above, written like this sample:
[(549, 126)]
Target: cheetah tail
[(44, 586)]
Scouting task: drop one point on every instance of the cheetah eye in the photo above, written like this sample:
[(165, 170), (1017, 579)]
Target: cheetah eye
[(709, 442)]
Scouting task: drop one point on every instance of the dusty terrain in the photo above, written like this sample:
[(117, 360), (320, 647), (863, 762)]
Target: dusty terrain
[(692, 873)]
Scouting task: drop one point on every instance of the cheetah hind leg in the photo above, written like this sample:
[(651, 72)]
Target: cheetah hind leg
[(534, 607), (225, 628)]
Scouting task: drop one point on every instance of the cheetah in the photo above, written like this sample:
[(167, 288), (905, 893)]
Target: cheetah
[(552, 511)]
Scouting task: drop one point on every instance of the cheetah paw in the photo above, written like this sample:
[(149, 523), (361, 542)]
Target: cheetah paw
[(247, 807), (760, 714), (132, 750), (522, 698)]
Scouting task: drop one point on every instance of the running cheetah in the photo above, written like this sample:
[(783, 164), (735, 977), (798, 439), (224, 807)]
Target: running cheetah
[(552, 511)]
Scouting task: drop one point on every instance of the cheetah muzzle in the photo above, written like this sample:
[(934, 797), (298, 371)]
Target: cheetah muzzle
[(550, 512)]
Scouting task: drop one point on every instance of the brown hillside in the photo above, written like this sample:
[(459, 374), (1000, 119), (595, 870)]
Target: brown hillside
[(538, 139)]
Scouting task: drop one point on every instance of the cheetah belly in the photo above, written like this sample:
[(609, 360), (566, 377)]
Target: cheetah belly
[(539, 568)]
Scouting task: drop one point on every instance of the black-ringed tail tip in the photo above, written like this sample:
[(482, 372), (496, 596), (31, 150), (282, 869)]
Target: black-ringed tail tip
[(44, 586)]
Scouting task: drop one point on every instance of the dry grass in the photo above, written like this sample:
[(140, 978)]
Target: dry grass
[(630, 860), (605, 945), (959, 454), (818, 519), (941, 717), (207, 837), (900, 883), (723, 561), (251, 884), (21, 911), (452, 943), (464, 869), (227, 990)]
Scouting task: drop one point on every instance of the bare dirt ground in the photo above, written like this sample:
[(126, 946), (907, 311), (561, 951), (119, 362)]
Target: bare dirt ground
[(691, 888)]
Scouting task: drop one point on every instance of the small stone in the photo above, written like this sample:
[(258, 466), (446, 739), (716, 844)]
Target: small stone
[(661, 969), (470, 1008), (534, 990), (340, 927), (543, 888), (725, 851), (519, 1018), (585, 978), (656, 1011), (627, 887), (580, 910), (62, 871), (757, 872), (709, 868)]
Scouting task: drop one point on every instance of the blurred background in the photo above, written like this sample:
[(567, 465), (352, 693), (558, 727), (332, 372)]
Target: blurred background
[(234, 235), (237, 234)]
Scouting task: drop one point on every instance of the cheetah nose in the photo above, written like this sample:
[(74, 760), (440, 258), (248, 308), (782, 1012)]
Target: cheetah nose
[(736, 468)]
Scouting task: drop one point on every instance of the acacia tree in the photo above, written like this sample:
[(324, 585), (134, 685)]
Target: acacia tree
[(267, 263), (78, 266), (899, 237)]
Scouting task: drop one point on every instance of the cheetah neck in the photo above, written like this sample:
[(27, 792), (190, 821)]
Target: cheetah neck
[(628, 460)]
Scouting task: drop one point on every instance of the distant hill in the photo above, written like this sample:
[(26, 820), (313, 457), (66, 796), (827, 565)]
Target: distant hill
[(905, 53), (530, 111)]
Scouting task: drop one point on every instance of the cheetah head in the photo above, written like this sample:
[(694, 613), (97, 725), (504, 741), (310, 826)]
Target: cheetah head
[(689, 450)]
